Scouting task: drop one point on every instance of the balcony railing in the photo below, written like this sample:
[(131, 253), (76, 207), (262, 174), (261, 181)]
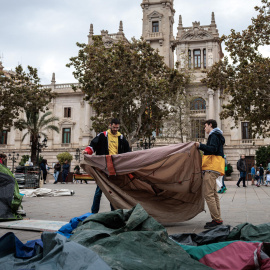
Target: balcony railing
[(197, 111), (247, 142), (155, 35)]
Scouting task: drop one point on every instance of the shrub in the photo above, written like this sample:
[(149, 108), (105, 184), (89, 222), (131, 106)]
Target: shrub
[(263, 155), (229, 170), (62, 157), (26, 158)]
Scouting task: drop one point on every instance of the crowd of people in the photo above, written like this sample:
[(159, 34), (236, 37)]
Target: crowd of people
[(258, 173)]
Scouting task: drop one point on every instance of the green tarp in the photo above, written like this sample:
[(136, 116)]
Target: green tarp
[(131, 239), (10, 198)]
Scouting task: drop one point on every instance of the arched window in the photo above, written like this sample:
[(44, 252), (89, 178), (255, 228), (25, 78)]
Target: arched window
[(198, 104), (197, 129)]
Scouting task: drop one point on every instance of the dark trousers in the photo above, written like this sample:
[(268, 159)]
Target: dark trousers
[(242, 178), (223, 184), (64, 176), (96, 201)]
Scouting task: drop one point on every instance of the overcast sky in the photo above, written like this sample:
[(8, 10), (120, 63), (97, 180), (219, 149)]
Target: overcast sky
[(43, 33)]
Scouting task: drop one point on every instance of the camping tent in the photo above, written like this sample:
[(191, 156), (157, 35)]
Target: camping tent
[(166, 181), (10, 198)]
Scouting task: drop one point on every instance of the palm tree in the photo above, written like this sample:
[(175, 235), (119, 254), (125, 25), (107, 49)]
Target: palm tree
[(35, 126)]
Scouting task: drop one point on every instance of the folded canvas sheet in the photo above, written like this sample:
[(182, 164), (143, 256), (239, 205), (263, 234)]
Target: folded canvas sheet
[(166, 181), (41, 192)]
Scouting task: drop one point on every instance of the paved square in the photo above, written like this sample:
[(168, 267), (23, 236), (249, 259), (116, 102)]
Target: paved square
[(238, 205)]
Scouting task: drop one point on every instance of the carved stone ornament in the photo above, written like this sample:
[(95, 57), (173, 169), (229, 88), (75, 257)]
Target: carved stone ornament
[(210, 92), (196, 33), (66, 122), (155, 15)]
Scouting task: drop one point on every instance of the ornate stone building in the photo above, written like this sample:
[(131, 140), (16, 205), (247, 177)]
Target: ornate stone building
[(195, 47)]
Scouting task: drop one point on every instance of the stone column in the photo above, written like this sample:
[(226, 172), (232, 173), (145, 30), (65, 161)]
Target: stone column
[(201, 58), (218, 109), (211, 109), (192, 63)]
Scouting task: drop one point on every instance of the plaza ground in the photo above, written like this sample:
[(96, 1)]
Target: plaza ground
[(238, 205)]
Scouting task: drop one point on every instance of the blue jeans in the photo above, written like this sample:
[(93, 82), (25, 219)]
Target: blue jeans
[(261, 180), (96, 201), (242, 178), (55, 175)]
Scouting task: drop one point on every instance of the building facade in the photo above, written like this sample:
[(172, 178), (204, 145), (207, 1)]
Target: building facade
[(196, 48)]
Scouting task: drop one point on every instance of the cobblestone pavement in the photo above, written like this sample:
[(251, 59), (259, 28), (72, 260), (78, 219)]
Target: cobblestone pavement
[(238, 205)]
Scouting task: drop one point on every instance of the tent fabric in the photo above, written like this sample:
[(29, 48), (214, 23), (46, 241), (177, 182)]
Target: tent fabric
[(230, 255), (7, 182), (166, 181), (250, 232), (10, 242), (57, 253), (9, 202), (131, 239), (67, 229), (245, 247), (218, 234), (38, 192)]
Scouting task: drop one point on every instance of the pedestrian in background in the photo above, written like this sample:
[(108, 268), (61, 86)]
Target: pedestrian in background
[(267, 180), (44, 169), (257, 177), (253, 173), (242, 168), (3, 158), (261, 170), (57, 169), (65, 171)]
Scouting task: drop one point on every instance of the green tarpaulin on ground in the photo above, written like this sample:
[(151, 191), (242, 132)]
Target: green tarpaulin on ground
[(10, 198), (131, 239)]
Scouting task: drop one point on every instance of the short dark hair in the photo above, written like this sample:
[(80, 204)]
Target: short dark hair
[(115, 121), (211, 121)]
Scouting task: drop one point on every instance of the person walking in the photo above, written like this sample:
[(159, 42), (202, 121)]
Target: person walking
[(65, 171), (261, 170), (213, 165), (267, 179), (57, 169), (242, 168), (110, 142), (253, 173), (44, 169), (257, 177), (2, 158), (223, 187)]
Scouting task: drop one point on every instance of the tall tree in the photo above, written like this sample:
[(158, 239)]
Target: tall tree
[(178, 122), (35, 126), (21, 91), (128, 81), (245, 79)]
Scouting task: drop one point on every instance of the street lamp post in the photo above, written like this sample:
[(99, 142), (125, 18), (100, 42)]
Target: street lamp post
[(13, 158)]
